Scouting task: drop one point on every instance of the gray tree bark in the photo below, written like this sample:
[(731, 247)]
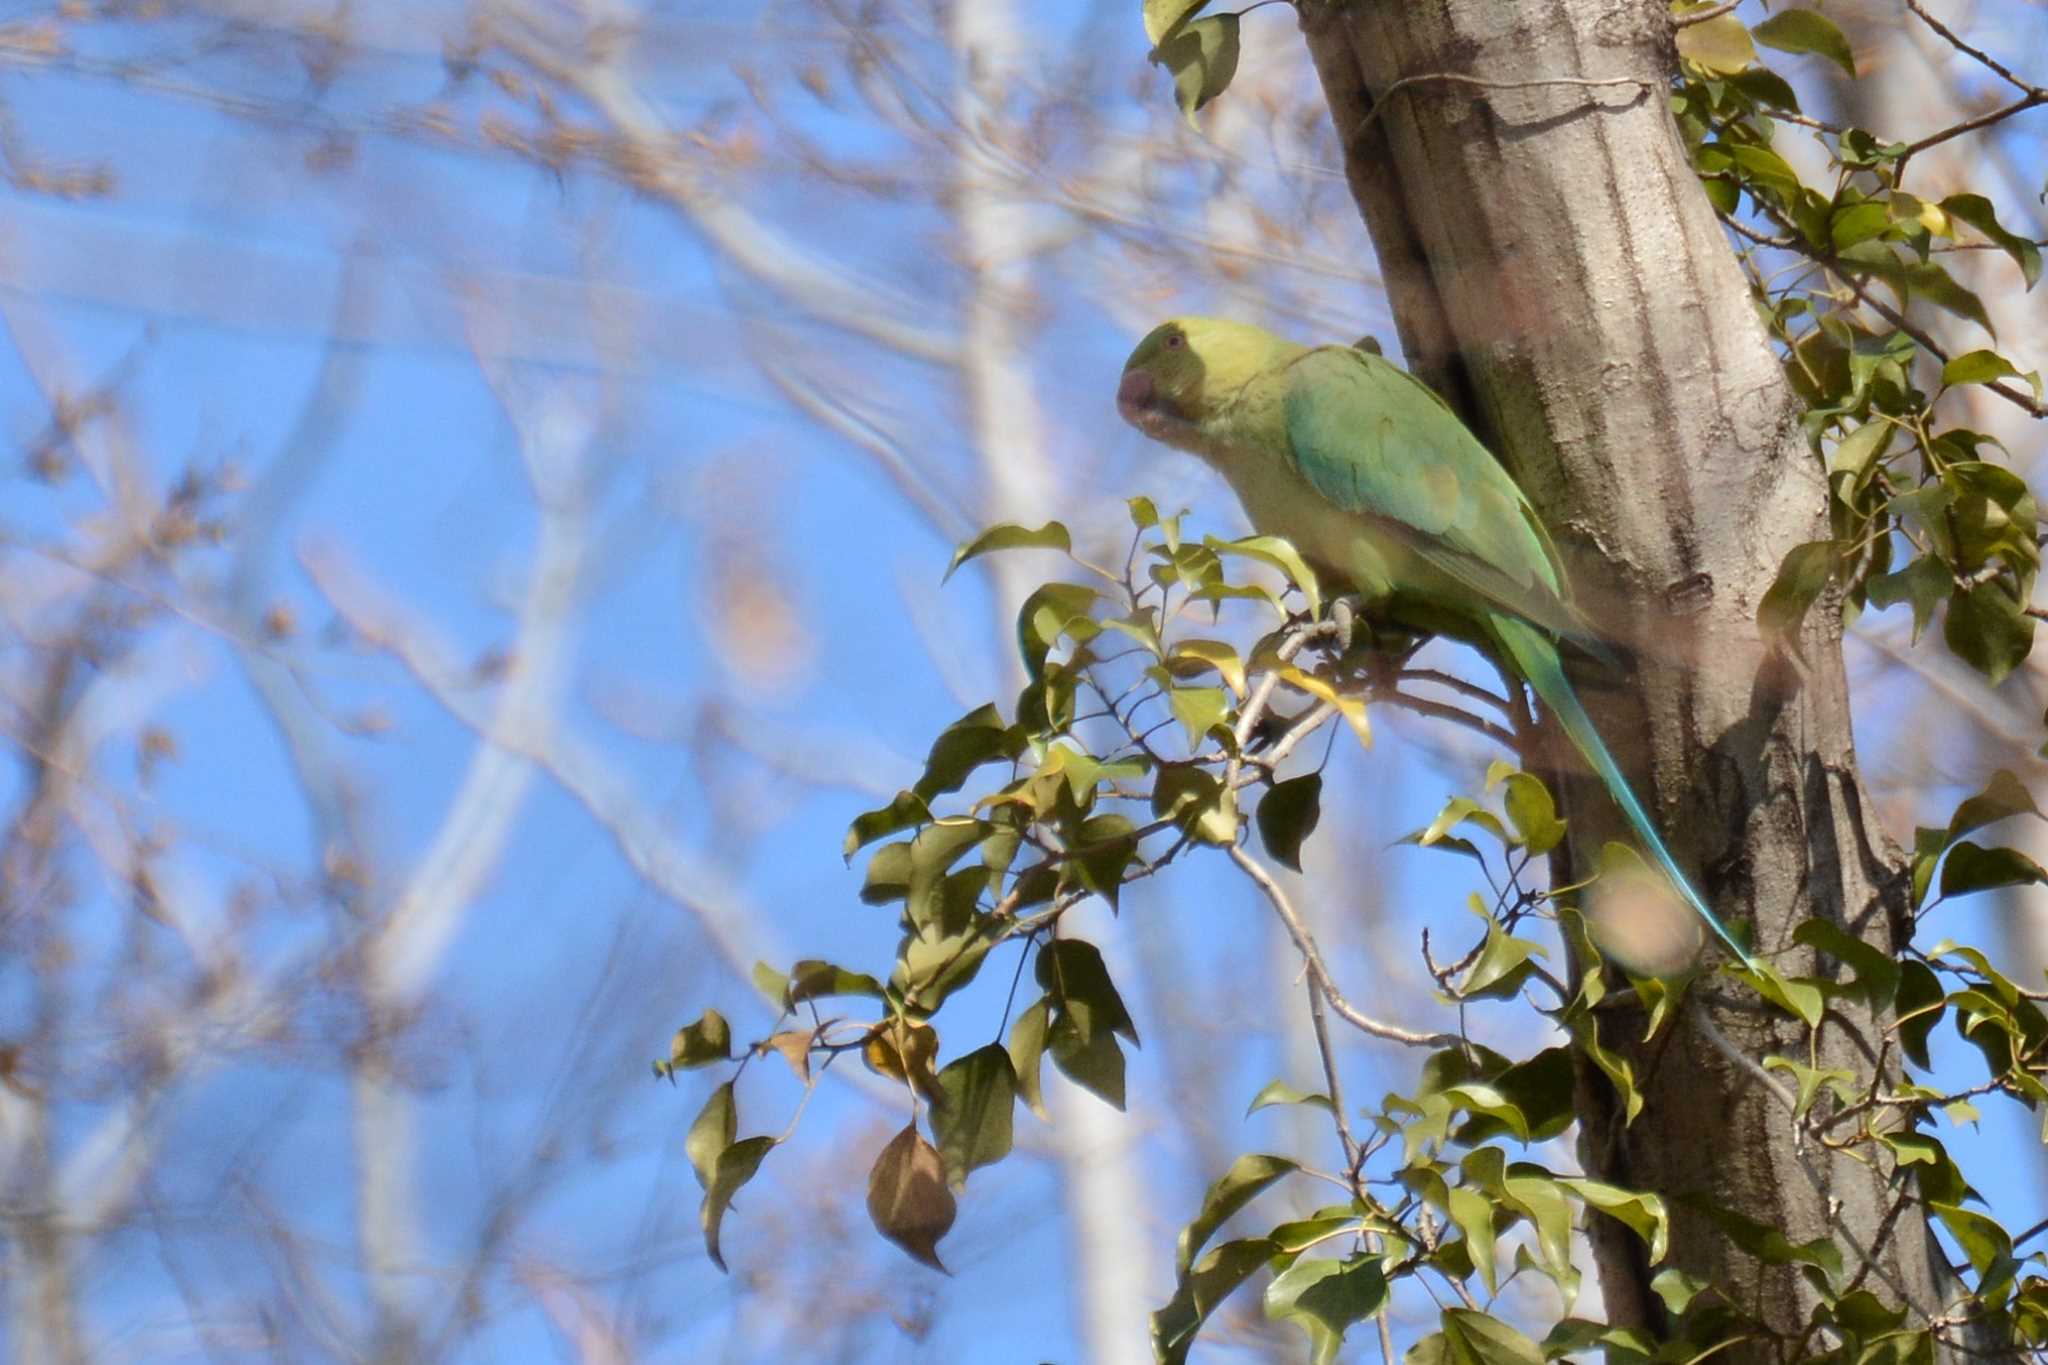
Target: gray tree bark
[(1557, 272)]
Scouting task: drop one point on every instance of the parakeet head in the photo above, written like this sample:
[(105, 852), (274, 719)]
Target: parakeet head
[(1185, 368)]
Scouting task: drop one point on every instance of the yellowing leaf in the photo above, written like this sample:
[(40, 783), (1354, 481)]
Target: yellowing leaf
[(1196, 655), (1349, 707), (1720, 46)]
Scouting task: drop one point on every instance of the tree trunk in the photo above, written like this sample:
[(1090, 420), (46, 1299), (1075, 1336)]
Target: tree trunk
[(1556, 271)]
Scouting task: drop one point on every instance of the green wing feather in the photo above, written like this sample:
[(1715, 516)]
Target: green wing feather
[(1376, 441)]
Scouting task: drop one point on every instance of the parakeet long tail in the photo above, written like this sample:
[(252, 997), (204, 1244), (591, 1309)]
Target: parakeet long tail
[(1537, 658)]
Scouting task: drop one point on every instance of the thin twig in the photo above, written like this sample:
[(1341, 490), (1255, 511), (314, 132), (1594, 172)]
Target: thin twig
[(1319, 971)]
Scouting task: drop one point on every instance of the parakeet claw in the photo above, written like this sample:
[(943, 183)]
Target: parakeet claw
[(1343, 616)]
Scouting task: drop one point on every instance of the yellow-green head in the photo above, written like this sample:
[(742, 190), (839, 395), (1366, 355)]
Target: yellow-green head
[(1186, 369)]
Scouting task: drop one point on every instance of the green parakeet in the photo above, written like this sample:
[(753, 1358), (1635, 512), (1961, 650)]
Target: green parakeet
[(1376, 481)]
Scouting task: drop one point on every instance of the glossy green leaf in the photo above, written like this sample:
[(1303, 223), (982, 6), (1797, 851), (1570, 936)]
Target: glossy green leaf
[(1644, 1214), (1861, 449), (1200, 1289), (1970, 867), (1469, 1337), (1248, 1177), (1977, 211), (976, 738), (1052, 611), (2003, 797), (1472, 1214), (1978, 367), (1077, 981), (735, 1166), (973, 1122), (1051, 536), (1280, 1092), (1287, 815), (1325, 1297), (907, 1196), (1805, 30), (1533, 813)]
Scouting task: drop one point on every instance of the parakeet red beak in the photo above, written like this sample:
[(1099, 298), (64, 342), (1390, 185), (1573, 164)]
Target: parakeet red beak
[(1134, 395)]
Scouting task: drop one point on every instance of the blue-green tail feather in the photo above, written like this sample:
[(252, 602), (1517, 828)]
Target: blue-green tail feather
[(1537, 658)]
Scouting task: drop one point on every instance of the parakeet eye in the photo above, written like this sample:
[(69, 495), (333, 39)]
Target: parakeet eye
[(1174, 341)]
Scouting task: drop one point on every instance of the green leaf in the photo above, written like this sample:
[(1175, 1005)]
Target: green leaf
[(1470, 1337), (907, 1196), (1472, 1214), (1919, 1008), (1280, 1092), (1643, 1214), (887, 879), (1077, 982), (1196, 801), (1861, 449), (1804, 30), (1092, 1061), (1764, 167), (1720, 46), (1102, 849), (972, 1124), (1200, 1289), (930, 969), (1676, 1288), (735, 1167), (1054, 610), (976, 738), (1197, 709), (1287, 815), (906, 811), (1980, 367), (1800, 579), (1976, 210), (1502, 966), (1202, 56), (707, 1040), (1195, 656), (1934, 284), (772, 984), (711, 1132), (1051, 536), (1161, 18), (1533, 813), (2003, 796), (1026, 1048), (1278, 553), (1877, 971), (1970, 867), (1325, 1297), (1248, 1177), (1859, 222), (1926, 583), (812, 979), (1986, 629)]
